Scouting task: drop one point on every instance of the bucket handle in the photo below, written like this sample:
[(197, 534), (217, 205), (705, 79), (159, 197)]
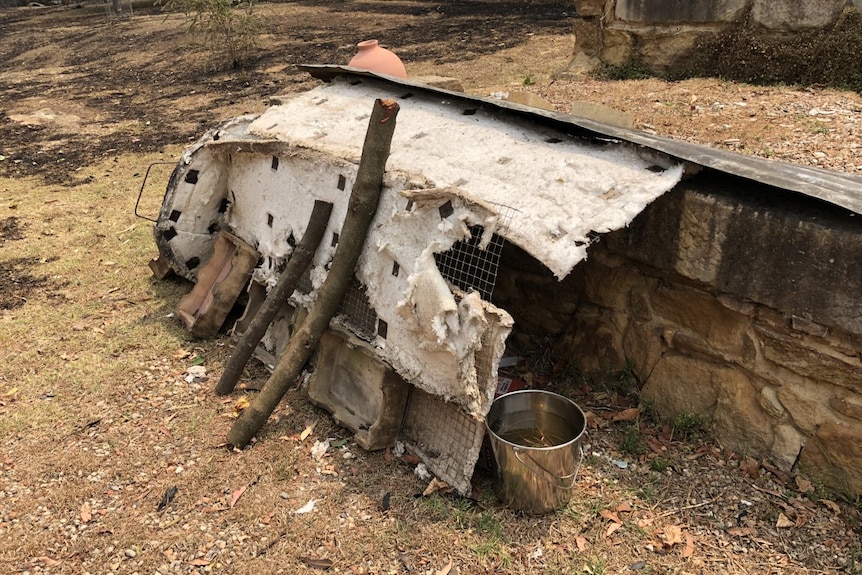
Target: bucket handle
[(543, 473)]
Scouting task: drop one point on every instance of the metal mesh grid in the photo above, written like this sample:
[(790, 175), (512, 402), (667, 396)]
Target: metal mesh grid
[(356, 311), (468, 266), (444, 437)]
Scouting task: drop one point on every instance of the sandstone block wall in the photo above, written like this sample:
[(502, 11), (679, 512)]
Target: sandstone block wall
[(732, 301), (659, 32)]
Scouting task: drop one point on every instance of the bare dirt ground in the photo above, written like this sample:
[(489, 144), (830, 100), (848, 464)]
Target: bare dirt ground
[(113, 454)]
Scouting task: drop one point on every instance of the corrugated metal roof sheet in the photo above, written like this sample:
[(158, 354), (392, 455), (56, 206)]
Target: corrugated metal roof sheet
[(837, 188)]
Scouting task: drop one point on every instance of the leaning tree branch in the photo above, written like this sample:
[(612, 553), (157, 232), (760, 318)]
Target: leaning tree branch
[(361, 210), (299, 261)]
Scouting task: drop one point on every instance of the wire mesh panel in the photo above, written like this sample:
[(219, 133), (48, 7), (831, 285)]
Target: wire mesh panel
[(444, 437), (470, 267), (356, 312)]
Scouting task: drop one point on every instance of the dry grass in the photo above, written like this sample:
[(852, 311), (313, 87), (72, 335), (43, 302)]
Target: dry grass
[(99, 420)]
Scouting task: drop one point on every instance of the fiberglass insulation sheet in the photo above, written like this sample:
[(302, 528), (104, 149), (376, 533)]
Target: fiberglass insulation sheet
[(561, 191)]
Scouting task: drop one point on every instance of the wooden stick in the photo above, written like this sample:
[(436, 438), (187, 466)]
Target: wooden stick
[(299, 261), (363, 205)]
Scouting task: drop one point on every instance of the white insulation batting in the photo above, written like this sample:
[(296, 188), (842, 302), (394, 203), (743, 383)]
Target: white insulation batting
[(450, 169), (562, 190)]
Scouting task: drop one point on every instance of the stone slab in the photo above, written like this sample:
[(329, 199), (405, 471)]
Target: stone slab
[(813, 363), (723, 331), (602, 113), (676, 11), (363, 393), (442, 82), (796, 14), (833, 455), (796, 256), (617, 46), (590, 8), (529, 99)]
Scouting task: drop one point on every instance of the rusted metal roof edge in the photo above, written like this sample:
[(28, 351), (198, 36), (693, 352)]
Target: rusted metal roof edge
[(837, 188)]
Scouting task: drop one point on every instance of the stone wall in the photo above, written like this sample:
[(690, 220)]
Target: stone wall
[(659, 33), (729, 300)]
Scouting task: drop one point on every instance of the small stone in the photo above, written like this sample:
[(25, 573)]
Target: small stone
[(284, 495), (130, 553)]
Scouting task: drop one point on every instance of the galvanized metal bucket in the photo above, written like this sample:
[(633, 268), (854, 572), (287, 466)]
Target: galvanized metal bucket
[(536, 438)]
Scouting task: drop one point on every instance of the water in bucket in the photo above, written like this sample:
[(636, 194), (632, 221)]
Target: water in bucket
[(536, 437)]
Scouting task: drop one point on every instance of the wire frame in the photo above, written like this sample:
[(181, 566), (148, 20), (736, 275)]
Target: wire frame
[(469, 267), (356, 312), (444, 437)]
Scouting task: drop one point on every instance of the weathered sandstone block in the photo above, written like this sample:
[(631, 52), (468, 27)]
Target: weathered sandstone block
[(796, 14), (667, 11)]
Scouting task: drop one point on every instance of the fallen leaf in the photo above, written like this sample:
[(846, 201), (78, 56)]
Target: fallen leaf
[(672, 535), (48, 561), (783, 522), (655, 446), (610, 516), (740, 531), (317, 563), (689, 545), (240, 405), (831, 505), (628, 414), (86, 512), (750, 466), (445, 570), (581, 543), (436, 485), (307, 431), (237, 494), (611, 528), (200, 562), (339, 443), (803, 484), (624, 507)]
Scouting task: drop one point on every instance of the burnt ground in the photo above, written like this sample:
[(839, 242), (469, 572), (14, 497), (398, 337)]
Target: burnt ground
[(18, 283), (137, 84), (101, 416)]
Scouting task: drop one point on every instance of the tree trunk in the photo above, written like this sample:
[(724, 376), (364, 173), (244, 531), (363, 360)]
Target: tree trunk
[(299, 261), (363, 205)]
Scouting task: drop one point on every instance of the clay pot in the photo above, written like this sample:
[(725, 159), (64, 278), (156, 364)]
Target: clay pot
[(372, 56)]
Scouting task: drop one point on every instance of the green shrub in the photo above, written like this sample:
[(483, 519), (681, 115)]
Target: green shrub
[(227, 29), (690, 425)]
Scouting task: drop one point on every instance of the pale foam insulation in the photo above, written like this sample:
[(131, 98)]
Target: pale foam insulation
[(562, 190)]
